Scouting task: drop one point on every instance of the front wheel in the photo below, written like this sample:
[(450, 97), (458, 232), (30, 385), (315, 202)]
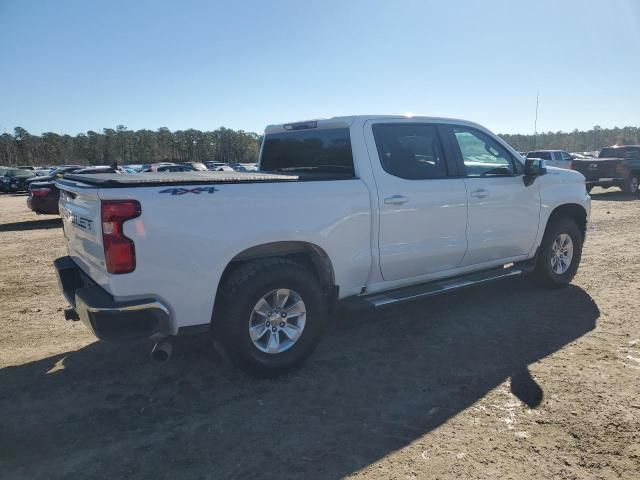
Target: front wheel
[(559, 255), (631, 185), (271, 316)]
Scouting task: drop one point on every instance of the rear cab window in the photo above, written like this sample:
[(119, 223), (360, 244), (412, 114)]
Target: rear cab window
[(314, 151)]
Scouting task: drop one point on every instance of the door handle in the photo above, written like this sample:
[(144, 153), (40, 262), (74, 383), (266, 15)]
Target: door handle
[(396, 200), (481, 193)]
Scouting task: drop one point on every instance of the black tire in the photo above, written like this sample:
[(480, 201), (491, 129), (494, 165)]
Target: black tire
[(589, 188), (630, 186), (240, 293), (543, 274)]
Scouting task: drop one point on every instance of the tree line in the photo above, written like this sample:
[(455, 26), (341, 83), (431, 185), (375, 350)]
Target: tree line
[(226, 145), (128, 146), (577, 140)]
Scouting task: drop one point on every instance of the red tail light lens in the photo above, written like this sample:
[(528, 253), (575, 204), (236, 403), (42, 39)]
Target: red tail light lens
[(119, 250), (40, 192)]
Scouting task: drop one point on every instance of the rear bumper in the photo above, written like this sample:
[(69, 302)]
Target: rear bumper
[(107, 318), (594, 182), (43, 205)]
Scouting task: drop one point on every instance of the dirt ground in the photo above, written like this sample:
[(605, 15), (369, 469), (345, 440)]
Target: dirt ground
[(503, 382)]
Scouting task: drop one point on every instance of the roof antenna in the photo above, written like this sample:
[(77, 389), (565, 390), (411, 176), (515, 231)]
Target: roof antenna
[(535, 123)]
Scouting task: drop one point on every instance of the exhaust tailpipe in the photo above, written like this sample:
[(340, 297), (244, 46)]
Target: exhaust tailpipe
[(161, 351)]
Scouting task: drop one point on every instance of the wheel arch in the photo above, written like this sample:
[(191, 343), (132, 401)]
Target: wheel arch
[(306, 253), (574, 211)]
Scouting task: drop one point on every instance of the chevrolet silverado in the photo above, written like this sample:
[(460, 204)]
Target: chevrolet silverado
[(362, 210)]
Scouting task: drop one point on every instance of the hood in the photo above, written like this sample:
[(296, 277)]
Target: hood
[(566, 174)]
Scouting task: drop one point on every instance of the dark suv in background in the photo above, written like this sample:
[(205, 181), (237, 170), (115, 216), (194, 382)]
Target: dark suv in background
[(614, 167), (15, 180)]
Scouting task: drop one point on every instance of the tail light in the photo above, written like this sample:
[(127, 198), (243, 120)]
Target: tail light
[(119, 250), (39, 192)]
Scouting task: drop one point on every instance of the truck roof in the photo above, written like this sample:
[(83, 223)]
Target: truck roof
[(346, 121)]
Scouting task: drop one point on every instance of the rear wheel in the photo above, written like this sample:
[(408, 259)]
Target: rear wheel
[(559, 255), (271, 316)]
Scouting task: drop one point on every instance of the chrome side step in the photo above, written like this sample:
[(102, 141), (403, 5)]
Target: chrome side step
[(441, 286)]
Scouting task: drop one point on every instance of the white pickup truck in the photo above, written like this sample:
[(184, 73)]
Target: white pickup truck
[(370, 209)]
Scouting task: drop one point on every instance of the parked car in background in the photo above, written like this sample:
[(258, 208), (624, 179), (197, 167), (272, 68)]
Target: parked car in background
[(214, 165), (554, 158), (99, 169), (197, 166), (132, 168), (244, 167), (45, 195), (53, 174), (15, 180), (376, 210), (617, 166), (26, 167), (223, 168), (160, 168), (238, 167)]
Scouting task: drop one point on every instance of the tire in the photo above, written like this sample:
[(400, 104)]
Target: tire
[(589, 188), (545, 273), (630, 186), (241, 295)]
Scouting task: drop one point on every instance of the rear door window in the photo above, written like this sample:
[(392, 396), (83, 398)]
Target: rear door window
[(314, 150), (410, 151)]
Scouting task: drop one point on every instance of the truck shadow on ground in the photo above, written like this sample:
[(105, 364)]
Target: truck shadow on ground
[(378, 382), (45, 223)]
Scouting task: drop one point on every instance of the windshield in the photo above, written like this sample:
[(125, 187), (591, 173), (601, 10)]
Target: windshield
[(314, 150), (20, 173)]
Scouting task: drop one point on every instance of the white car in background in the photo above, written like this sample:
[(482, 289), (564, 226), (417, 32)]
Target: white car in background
[(554, 158)]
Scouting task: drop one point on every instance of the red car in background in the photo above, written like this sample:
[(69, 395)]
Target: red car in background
[(44, 196)]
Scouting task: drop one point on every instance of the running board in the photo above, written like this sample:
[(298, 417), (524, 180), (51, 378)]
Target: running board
[(430, 289)]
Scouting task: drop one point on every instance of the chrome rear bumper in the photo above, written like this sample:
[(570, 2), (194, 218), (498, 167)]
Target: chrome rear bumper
[(108, 319)]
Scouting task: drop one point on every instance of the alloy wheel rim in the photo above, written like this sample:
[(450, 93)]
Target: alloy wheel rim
[(634, 185), (277, 321), (561, 254)]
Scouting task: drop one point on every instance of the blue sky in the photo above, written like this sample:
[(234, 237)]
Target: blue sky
[(71, 66)]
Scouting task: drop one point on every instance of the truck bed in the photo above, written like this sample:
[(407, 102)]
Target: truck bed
[(148, 179)]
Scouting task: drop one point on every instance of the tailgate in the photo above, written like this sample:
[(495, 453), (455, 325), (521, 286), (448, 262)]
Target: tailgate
[(80, 212), (597, 168)]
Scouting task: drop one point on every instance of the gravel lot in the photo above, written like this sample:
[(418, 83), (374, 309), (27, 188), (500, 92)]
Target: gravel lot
[(505, 381)]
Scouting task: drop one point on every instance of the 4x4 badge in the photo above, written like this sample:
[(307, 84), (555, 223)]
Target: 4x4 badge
[(182, 191)]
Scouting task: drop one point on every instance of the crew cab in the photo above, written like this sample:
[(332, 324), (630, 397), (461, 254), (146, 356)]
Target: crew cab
[(367, 211), (617, 166)]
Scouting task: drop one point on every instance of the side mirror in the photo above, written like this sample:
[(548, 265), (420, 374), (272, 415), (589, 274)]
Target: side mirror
[(533, 168)]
